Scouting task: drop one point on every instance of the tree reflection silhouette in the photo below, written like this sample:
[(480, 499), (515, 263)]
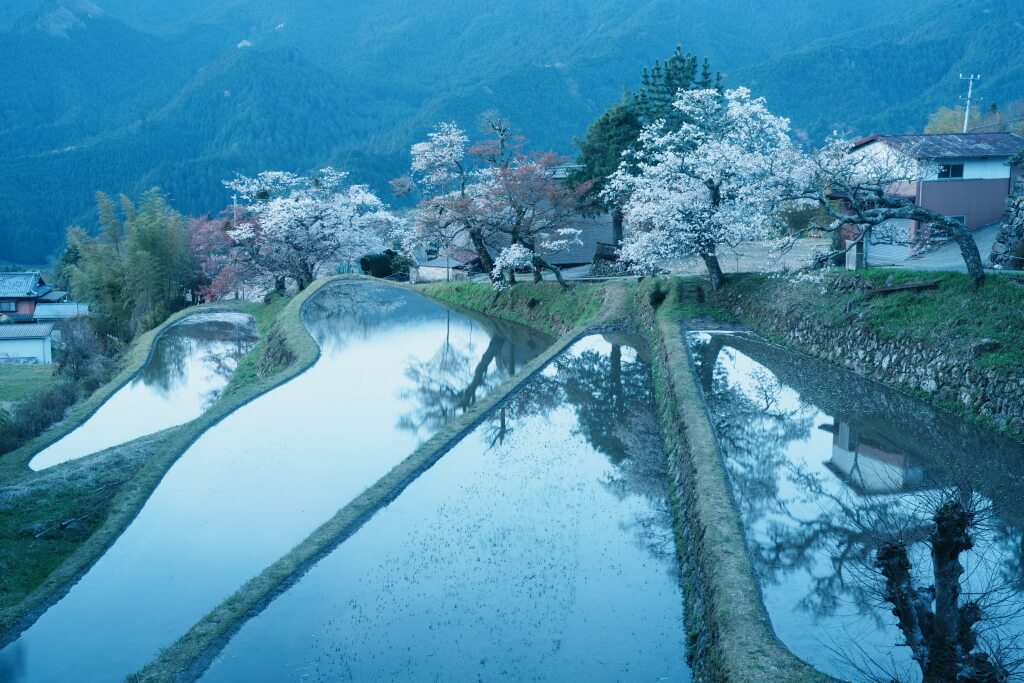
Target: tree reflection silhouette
[(867, 531)]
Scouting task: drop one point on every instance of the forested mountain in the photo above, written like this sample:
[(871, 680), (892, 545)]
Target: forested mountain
[(123, 95)]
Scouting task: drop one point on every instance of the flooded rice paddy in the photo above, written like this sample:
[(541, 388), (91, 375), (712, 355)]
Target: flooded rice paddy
[(190, 365), (539, 548), (394, 367), (827, 468)]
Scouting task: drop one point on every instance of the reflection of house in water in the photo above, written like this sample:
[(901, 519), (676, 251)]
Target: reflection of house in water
[(869, 468)]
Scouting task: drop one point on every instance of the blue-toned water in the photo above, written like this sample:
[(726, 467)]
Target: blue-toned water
[(539, 548), (394, 367)]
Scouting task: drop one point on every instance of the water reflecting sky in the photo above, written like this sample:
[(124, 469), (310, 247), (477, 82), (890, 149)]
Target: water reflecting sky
[(826, 467), (539, 548), (191, 364), (259, 482)]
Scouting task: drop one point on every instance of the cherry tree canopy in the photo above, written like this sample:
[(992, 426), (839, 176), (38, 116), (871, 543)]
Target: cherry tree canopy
[(294, 226), (719, 176), (490, 197)]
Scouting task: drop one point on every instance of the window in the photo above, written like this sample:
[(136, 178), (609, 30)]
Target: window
[(951, 171), (8, 306)]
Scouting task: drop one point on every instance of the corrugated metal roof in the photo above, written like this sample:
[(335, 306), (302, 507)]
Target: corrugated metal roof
[(56, 296), (20, 285), (951, 145), (72, 309), (35, 331)]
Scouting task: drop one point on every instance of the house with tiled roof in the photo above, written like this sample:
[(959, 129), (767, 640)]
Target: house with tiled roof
[(20, 293)]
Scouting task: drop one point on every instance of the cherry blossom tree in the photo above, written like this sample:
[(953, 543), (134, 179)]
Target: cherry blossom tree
[(293, 226), (491, 197), (873, 193), (222, 264), (717, 177)]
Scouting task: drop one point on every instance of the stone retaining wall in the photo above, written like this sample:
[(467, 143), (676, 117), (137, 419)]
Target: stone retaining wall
[(996, 396)]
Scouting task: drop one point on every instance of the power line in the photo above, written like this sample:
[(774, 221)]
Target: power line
[(996, 124)]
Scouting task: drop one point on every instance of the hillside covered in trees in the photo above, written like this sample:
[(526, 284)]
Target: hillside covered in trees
[(123, 95)]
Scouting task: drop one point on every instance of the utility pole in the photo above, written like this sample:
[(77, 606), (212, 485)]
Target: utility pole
[(970, 92)]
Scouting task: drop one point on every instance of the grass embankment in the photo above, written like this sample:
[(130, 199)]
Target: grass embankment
[(980, 332), (730, 636), (545, 306), (949, 319), (56, 523)]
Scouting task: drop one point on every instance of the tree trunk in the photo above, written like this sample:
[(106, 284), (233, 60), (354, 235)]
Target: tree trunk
[(539, 263), (486, 262), (279, 284), (617, 226), (969, 252), (714, 270)]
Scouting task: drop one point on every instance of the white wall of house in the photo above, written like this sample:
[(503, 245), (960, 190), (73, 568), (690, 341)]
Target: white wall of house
[(436, 274), (20, 349), (977, 169)]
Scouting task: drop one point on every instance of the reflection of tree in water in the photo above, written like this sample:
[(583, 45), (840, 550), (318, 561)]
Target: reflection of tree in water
[(754, 429), (450, 381), (605, 391), (613, 401), (354, 309), (218, 344), (900, 552)]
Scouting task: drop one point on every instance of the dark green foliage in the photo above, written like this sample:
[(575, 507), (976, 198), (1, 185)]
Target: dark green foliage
[(601, 150), (659, 85), (390, 264), (82, 356), (36, 412), (137, 271), (657, 295)]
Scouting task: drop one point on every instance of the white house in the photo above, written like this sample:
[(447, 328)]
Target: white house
[(26, 343)]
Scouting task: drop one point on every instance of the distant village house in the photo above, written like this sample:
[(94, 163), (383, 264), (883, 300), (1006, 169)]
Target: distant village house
[(28, 309), (970, 177)]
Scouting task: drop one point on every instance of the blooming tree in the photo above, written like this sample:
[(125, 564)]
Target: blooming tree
[(718, 177), (222, 264), (491, 197), (294, 226), (873, 193)]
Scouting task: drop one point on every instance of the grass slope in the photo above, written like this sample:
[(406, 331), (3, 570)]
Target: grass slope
[(18, 381)]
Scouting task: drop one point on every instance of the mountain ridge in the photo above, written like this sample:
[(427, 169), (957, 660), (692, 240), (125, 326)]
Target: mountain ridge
[(133, 94)]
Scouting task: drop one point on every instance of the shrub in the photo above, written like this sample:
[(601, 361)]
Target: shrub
[(276, 354)]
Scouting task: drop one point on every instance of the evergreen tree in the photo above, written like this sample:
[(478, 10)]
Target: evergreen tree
[(601, 152), (613, 134)]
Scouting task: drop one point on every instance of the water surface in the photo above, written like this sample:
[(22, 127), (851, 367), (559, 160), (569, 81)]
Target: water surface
[(394, 367), (826, 467), (539, 548), (190, 365)]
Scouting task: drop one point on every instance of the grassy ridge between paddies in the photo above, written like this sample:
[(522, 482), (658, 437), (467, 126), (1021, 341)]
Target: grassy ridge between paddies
[(729, 633), (189, 657), (55, 524)]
